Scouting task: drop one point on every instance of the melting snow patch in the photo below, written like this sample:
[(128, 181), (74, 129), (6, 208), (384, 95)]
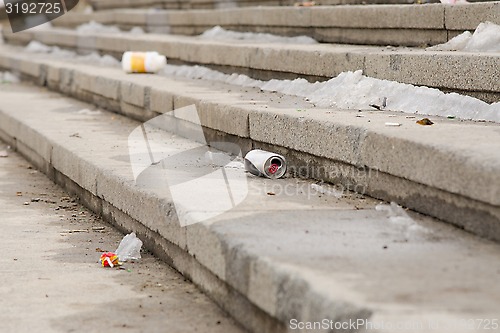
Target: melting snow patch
[(486, 38), (219, 33), (400, 218), (136, 31), (94, 27), (37, 47), (353, 90), (94, 57), (8, 77)]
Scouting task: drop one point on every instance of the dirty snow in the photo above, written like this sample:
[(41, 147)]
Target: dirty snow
[(219, 33), (352, 90), (400, 219), (349, 90), (486, 38), (94, 57), (94, 27), (137, 31), (8, 77)]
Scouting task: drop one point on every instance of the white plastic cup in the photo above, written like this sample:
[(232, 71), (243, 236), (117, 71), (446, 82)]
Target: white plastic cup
[(143, 62), (265, 164)]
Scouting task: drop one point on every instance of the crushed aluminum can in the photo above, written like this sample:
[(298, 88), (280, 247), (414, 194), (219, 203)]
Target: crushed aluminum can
[(265, 164)]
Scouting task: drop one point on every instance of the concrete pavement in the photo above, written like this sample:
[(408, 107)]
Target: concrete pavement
[(286, 253), (416, 25), (51, 278), (384, 162), (465, 72)]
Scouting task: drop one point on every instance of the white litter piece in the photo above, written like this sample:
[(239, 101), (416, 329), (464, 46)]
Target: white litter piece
[(89, 112), (393, 124), (129, 248), (8, 77), (219, 33), (486, 38)]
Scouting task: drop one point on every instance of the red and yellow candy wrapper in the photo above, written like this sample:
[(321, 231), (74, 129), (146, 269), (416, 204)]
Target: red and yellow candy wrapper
[(109, 259)]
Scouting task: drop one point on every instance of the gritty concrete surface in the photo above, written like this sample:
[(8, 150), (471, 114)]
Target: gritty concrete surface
[(51, 278), (425, 185), (416, 25), (216, 4), (291, 251), (456, 71)]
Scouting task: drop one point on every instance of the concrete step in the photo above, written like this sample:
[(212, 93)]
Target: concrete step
[(274, 262), (416, 25), (51, 245), (465, 72), (457, 181), (217, 4)]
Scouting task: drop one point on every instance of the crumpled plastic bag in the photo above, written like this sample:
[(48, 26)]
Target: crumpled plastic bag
[(129, 248)]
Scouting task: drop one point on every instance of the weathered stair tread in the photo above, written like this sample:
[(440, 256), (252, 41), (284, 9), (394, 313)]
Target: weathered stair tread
[(293, 256), (457, 71), (414, 25), (439, 170)]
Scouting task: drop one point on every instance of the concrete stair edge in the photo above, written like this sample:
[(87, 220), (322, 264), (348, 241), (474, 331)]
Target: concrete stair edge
[(457, 196), (432, 17), (196, 251), (455, 71)]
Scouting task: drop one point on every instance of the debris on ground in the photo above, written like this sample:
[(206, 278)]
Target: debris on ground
[(392, 124), (323, 190), (398, 216), (265, 164), (425, 122), (381, 105), (74, 231), (129, 248), (89, 112), (143, 62), (109, 259), (4, 153), (305, 4)]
